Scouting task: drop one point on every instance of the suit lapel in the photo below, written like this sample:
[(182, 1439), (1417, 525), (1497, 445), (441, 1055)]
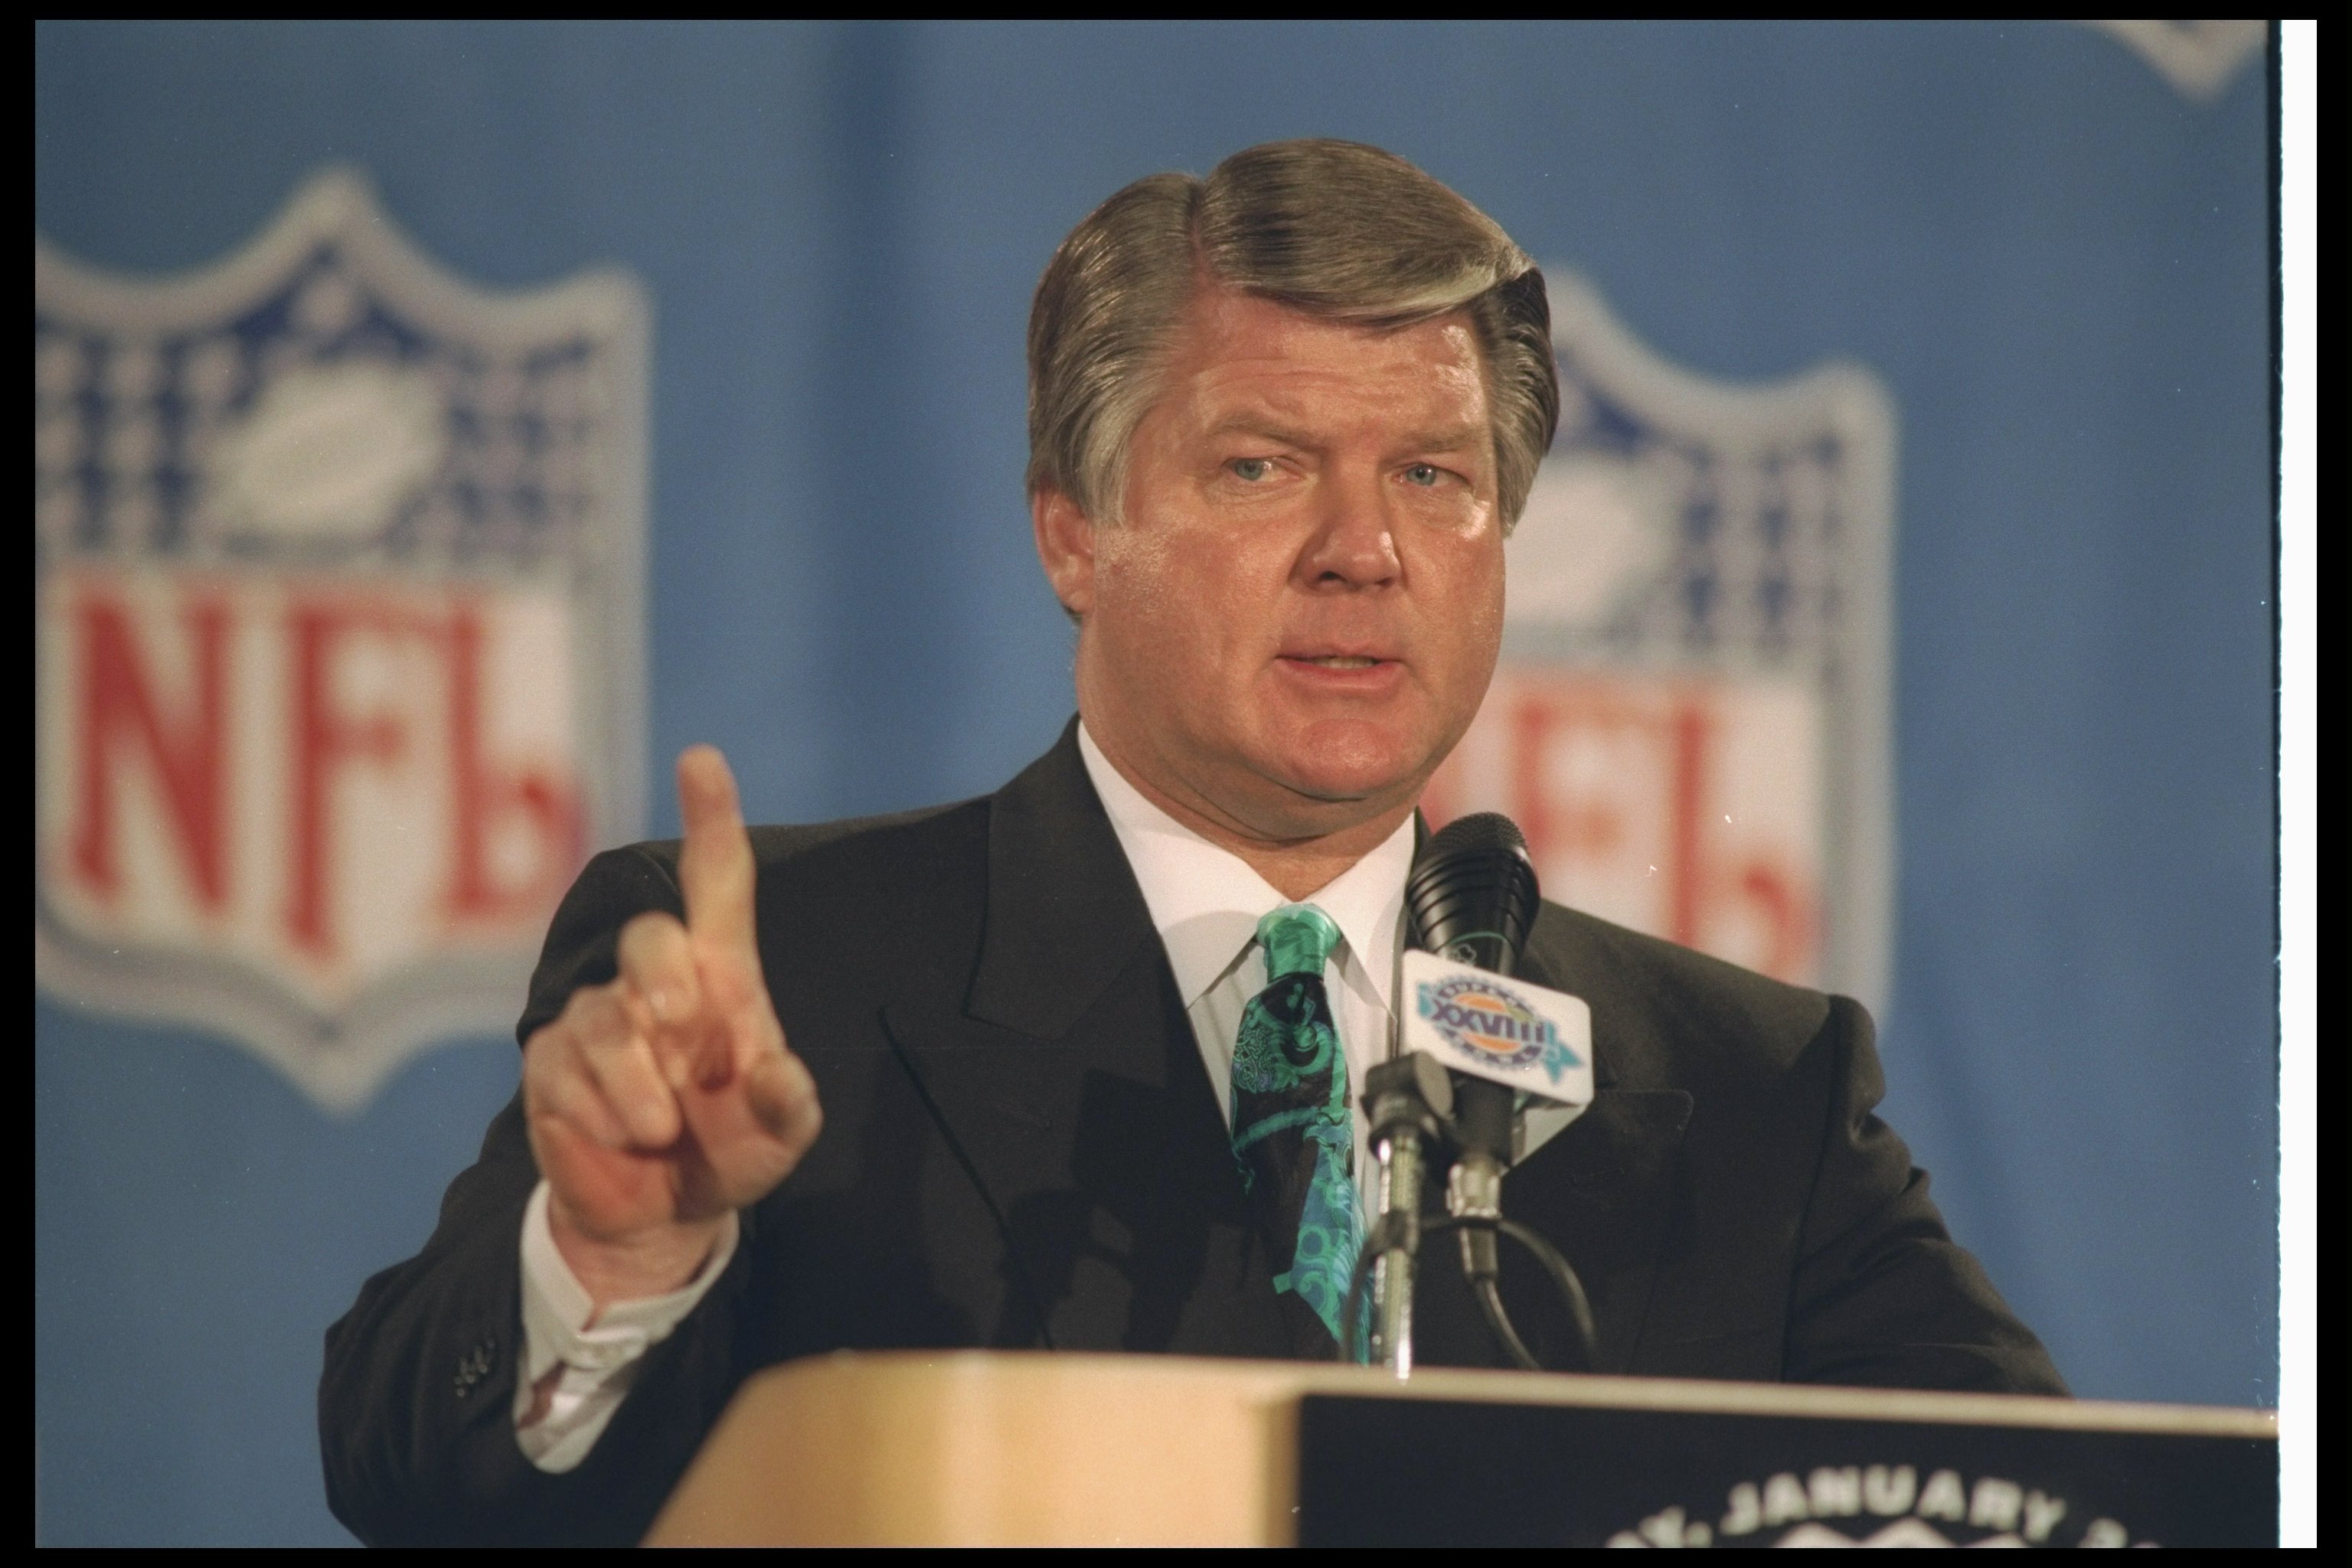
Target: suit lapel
[(1065, 914), (1602, 1190), (1072, 1090)]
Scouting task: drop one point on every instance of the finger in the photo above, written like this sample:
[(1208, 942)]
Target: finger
[(657, 959), (618, 1058), (782, 1096), (557, 1087), (715, 868), (749, 1036), (661, 982)]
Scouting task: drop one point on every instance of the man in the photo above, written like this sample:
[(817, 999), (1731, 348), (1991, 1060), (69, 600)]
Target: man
[(969, 1077)]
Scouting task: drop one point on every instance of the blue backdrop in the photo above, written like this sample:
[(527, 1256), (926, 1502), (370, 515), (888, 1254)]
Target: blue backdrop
[(2057, 261)]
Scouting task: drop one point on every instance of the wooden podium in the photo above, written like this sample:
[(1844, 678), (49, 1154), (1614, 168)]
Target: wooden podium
[(975, 1448)]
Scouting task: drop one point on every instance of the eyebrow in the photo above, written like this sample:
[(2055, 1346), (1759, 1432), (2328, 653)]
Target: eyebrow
[(1249, 425), (1450, 438)]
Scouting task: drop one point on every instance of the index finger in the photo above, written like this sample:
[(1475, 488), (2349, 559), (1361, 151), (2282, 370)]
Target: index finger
[(715, 869)]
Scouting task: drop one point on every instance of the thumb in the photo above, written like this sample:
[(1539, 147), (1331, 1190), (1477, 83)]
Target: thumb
[(715, 868)]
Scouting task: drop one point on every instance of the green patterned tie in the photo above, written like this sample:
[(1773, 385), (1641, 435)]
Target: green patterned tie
[(1292, 1128)]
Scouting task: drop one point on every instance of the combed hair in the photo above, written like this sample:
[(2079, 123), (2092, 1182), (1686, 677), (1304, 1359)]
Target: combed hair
[(1335, 229)]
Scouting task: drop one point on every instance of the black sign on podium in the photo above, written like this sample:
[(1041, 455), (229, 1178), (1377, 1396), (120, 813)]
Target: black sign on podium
[(1376, 1470)]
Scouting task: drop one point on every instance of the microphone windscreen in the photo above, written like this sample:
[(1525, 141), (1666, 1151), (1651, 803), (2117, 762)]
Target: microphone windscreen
[(1472, 895)]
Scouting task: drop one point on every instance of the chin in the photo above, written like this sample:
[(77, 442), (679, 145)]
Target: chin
[(1348, 760)]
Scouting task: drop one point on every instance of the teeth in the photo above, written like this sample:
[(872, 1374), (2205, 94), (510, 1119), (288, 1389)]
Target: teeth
[(1344, 661)]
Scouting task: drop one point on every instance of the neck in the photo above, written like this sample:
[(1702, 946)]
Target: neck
[(1296, 867)]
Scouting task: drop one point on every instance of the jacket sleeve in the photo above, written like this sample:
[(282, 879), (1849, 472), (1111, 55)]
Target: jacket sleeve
[(1881, 1295), (415, 1406)]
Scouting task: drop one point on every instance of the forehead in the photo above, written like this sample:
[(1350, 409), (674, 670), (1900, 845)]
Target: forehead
[(1235, 351)]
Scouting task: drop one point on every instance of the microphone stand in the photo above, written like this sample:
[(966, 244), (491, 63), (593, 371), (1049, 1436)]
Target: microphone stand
[(1474, 1196), (1485, 1124), (1419, 1113), (1410, 1099)]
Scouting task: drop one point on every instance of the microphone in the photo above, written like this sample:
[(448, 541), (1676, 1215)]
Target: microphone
[(1473, 1045), (1473, 901)]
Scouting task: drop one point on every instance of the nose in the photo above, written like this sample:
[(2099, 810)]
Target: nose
[(1353, 546)]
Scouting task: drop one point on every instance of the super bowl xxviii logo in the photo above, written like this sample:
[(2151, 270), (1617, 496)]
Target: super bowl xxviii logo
[(1491, 1025)]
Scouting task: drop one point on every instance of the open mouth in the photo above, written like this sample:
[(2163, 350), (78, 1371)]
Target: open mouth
[(1342, 671)]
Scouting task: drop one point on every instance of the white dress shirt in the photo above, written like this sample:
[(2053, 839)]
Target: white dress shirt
[(1206, 902)]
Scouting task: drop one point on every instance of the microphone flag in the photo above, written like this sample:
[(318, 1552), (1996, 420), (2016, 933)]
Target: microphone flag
[(1506, 1031)]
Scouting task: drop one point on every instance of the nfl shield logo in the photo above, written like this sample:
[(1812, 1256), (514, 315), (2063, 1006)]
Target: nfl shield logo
[(1690, 719), (339, 642)]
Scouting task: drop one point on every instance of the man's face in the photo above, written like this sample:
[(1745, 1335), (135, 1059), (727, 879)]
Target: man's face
[(1300, 612)]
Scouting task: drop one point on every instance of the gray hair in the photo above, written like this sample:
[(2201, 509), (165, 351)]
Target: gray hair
[(1335, 229)]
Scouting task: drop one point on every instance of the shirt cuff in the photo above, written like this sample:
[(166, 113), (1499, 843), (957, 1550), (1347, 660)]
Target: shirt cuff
[(598, 1351)]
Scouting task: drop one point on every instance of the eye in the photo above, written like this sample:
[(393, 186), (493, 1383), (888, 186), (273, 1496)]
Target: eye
[(1249, 470), (1423, 474)]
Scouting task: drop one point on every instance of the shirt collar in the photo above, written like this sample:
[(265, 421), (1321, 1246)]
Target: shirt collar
[(1205, 902)]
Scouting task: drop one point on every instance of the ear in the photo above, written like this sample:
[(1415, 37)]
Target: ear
[(1065, 547)]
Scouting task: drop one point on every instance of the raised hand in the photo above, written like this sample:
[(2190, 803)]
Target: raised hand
[(661, 1101)]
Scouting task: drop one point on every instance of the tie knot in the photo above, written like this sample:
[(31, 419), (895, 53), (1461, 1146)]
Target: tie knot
[(1298, 939)]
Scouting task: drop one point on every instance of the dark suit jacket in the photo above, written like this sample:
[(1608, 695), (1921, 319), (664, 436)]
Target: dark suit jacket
[(1022, 1149)]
